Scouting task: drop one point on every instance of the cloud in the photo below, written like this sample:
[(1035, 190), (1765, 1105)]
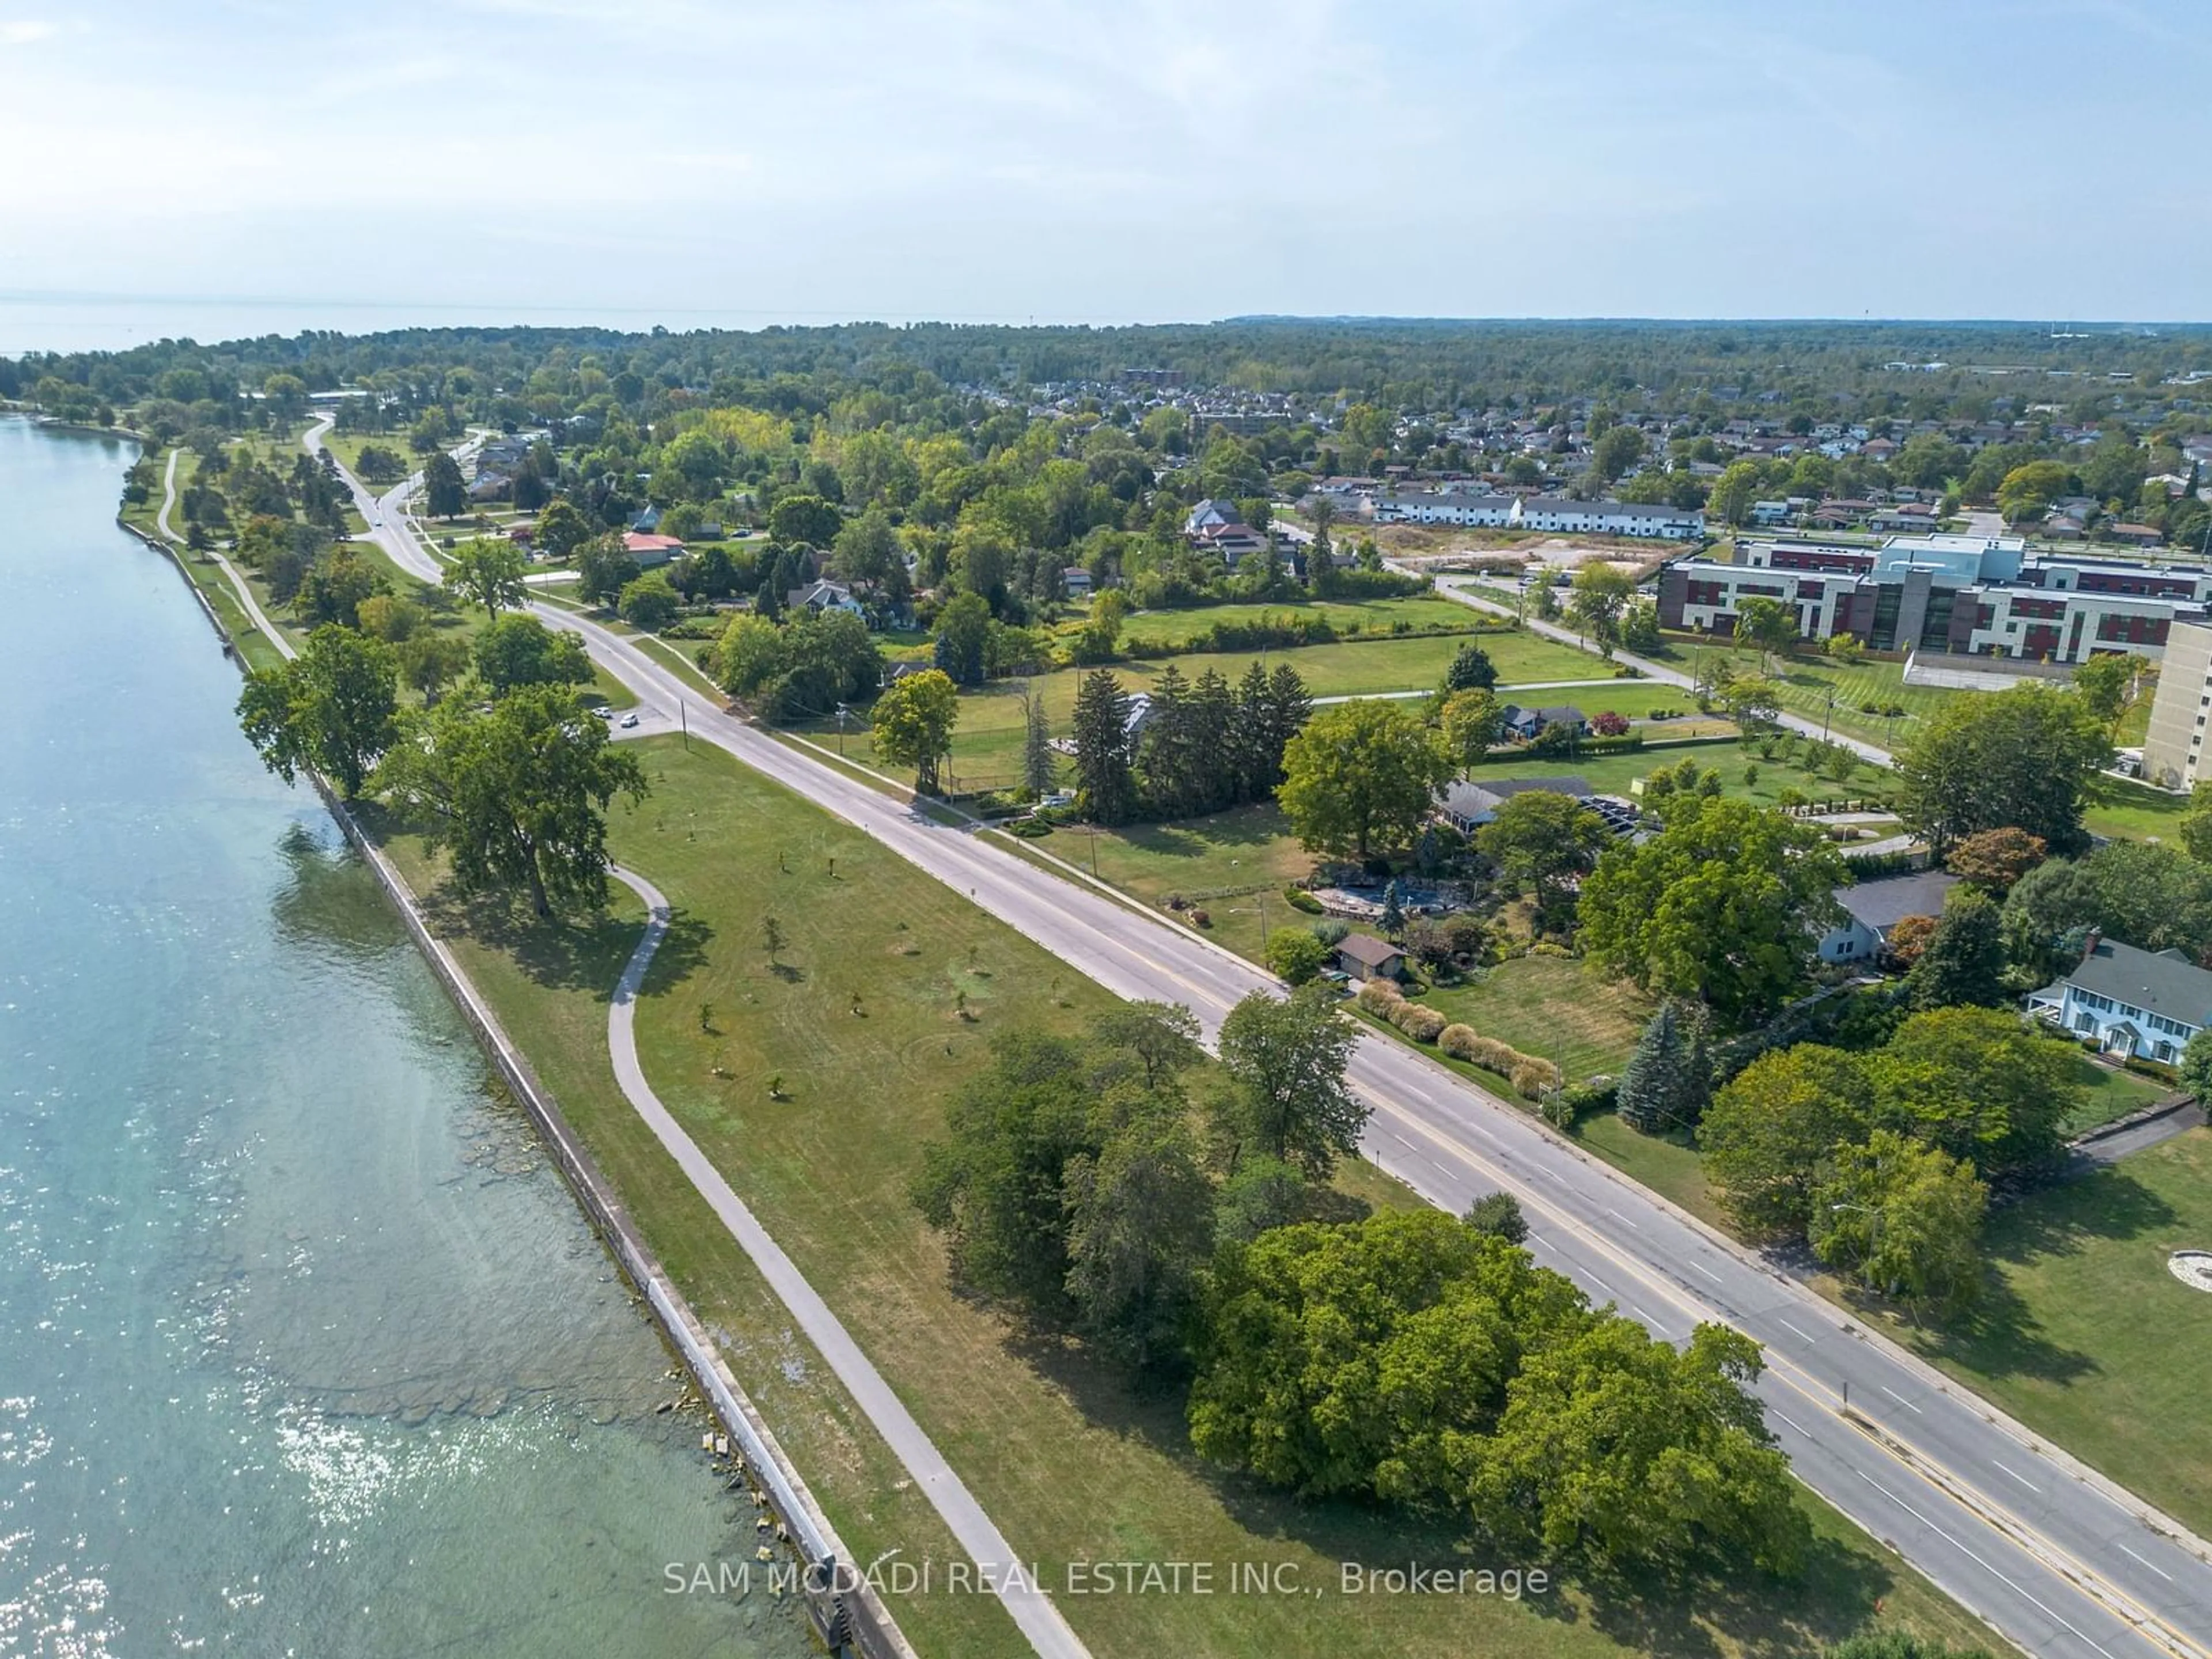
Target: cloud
[(24, 31)]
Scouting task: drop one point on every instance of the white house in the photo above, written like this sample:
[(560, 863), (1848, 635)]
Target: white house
[(1446, 507), (822, 596), (1871, 909), (2138, 1004)]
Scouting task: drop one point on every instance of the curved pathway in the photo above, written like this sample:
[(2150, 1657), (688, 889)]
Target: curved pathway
[(2063, 1561), (1031, 1609), (245, 599)]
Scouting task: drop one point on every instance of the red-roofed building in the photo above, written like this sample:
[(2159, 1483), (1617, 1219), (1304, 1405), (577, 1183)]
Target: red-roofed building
[(650, 550)]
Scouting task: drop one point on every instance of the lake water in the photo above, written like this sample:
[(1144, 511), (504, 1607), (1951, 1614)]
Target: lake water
[(304, 1347)]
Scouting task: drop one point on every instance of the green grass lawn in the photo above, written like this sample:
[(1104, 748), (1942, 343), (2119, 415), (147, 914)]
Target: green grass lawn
[(348, 446), (1368, 616), (1804, 684), (1561, 1010), (987, 746), (1668, 1165), (2113, 1093), (1612, 775), (857, 1015), (2118, 807), (2089, 1341)]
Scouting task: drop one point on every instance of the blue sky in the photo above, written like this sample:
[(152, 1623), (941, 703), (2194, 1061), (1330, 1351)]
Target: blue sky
[(1121, 160)]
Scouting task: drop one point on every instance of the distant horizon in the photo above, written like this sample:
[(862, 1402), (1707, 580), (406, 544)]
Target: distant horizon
[(55, 322), (1006, 161)]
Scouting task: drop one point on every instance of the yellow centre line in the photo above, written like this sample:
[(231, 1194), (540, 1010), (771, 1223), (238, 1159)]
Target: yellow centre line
[(1821, 1397)]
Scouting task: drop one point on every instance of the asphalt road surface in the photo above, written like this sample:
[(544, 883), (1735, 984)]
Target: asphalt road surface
[(2063, 1562)]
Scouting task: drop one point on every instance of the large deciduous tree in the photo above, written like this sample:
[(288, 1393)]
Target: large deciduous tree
[(517, 795), (1539, 839), (520, 650), (1725, 904), (1600, 596), (1904, 1219), (1360, 778), (487, 571), (1769, 1133), (2023, 758), (1286, 1056), (333, 708), (913, 723)]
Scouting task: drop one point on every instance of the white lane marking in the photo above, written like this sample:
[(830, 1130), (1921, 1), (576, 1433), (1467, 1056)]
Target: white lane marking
[(1706, 1271), (2153, 1566), (1792, 1422), (2025, 1481), (1617, 1216), (1908, 1405), (1780, 1320), (1965, 1550)]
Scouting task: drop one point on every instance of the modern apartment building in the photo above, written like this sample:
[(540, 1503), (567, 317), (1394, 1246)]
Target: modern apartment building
[(1983, 595), (2173, 748), (1553, 513)]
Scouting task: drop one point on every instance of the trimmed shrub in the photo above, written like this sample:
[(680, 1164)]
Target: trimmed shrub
[(1331, 930), (1533, 1077), (1380, 996), (1299, 899), (1458, 1041), (1417, 1021)]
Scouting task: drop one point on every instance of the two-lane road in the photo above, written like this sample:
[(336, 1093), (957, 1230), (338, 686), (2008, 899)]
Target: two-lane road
[(2062, 1562)]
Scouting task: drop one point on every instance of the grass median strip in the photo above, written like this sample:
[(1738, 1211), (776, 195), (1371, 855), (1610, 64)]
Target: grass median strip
[(879, 999)]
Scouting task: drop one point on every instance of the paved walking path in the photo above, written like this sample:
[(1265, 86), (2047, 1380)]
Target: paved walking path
[(1030, 1607), (245, 598)]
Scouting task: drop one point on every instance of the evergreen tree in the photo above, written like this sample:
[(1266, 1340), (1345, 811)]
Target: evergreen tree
[(1212, 725), (1247, 741), (1038, 766), (1471, 670), (1102, 748), (1964, 962), (1669, 1078), (1165, 749), (1393, 910), (1290, 706)]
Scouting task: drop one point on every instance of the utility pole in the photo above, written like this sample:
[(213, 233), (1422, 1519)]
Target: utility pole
[(683, 714)]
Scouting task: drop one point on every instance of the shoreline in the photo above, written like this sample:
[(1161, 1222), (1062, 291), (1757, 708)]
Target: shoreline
[(845, 1614)]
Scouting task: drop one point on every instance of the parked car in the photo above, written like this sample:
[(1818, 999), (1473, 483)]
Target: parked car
[(628, 721)]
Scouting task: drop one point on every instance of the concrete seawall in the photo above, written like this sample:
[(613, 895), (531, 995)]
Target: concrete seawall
[(845, 1611)]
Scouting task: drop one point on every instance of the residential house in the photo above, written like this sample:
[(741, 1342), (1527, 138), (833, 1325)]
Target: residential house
[(1211, 515), (2137, 1004), (1364, 957), (646, 523), (1871, 909), (1527, 724), (821, 596), (650, 550), (1075, 581), (1468, 805)]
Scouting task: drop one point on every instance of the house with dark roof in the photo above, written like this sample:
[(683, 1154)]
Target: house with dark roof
[(1527, 724), (1468, 805), (1871, 909), (2137, 1004)]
